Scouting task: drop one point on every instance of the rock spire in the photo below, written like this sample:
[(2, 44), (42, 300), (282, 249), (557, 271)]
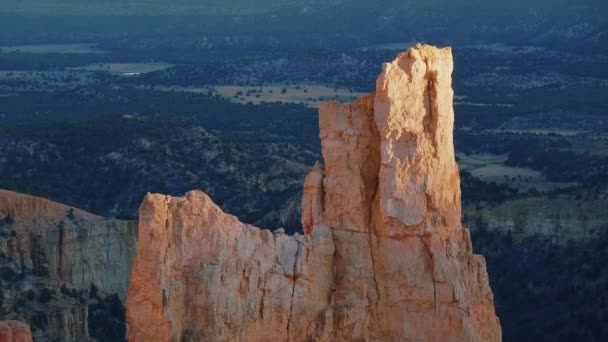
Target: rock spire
[(384, 255)]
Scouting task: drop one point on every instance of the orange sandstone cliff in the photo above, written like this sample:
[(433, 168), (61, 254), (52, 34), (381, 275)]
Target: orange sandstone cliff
[(15, 331), (384, 255)]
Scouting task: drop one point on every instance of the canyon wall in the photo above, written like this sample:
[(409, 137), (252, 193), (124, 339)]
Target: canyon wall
[(384, 255), (58, 261)]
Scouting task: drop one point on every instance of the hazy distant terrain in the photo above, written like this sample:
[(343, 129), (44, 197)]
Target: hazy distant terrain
[(159, 7), (557, 23)]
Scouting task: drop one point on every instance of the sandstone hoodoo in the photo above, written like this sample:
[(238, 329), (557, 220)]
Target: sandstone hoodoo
[(384, 255)]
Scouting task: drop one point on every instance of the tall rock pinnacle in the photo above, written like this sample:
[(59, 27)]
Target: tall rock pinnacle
[(384, 255)]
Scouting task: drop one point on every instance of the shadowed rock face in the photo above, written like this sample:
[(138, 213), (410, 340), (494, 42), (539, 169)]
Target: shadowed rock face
[(51, 256), (74, 247), (384, 255)]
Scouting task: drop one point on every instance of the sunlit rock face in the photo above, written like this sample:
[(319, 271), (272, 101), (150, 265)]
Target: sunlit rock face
[(15, 331), (384, 255), (203, 275)]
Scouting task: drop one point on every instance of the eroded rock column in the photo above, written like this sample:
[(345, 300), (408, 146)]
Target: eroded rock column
[(404, 267), (384, 256)]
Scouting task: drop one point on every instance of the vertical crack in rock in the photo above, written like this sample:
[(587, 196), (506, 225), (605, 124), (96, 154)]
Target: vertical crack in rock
[(374, 277), (372, 230), (432, 262), (430, 120), (335, 256), (370, 238), (293, 288), (261, 311), (166, 291), (389, 184), (371, 223)]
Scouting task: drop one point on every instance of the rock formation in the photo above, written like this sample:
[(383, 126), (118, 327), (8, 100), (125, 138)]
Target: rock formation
[(51, 256), (384, 255), (15, 331)]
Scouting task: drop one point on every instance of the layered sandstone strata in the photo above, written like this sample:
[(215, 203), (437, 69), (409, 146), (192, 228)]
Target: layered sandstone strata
[(51, 256), (384, 255)]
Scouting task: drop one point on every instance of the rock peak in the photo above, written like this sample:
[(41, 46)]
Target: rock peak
[(391, 154), (384, 255), (413, 110)]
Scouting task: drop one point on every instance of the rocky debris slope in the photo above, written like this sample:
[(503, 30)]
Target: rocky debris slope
[(384, 255), (61, 267), (15, 331)]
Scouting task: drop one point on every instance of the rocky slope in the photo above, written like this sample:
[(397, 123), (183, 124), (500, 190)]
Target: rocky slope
[(62, 266), (384, 255)]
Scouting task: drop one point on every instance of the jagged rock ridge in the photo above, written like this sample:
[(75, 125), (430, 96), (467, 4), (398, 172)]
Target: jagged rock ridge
[(384, 255)]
